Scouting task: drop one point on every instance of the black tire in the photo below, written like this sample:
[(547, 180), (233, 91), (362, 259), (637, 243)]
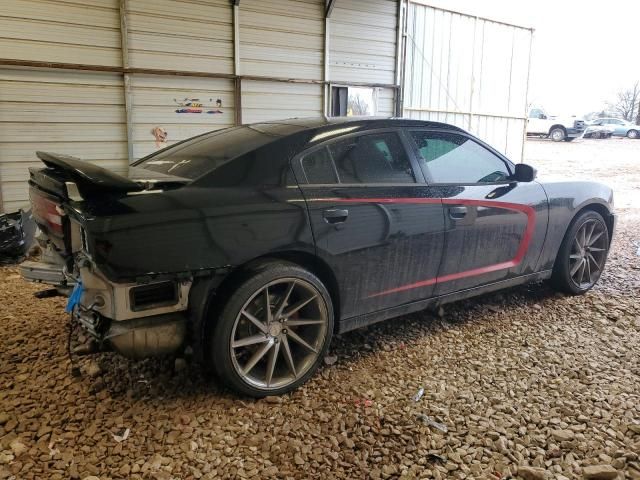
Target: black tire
[(562, 277), (220, 343), (633, 134), (557, 134)]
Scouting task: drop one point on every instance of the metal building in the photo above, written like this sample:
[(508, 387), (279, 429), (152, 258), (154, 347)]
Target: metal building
[(469, 71), (106, 80)]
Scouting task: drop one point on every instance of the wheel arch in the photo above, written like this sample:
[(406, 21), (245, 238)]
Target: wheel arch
[(557, 125), (209, 294), (597, 207)]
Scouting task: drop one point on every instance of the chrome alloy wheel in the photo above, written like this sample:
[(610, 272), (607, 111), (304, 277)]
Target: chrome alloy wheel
[(588, 253), (279, 333)]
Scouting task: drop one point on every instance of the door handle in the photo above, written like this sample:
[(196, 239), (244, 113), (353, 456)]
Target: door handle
[(457, 213), (335, 215)]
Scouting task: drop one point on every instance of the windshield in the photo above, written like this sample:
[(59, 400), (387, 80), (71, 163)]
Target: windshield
[(195, 157)]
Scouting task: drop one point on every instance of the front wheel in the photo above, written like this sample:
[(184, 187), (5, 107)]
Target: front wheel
[(557, 134), (633, 134), (273, 331), (582, 254)]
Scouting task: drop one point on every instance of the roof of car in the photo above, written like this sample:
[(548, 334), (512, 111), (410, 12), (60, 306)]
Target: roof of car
[(363, 123)]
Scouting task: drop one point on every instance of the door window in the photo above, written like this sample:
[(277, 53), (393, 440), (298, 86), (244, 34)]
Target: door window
[(373, 158), (536, 113), (455, 158), (318, 167)]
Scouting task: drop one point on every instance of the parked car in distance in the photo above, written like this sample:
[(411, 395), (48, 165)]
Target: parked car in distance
[(621, 128), (558, 129), (253, 245), (598, 131)]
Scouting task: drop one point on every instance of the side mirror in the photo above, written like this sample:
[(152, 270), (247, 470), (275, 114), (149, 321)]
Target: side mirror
[(524, 173), (542, 116)]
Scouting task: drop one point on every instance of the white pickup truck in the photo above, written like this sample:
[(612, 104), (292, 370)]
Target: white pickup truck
[(556, 128)]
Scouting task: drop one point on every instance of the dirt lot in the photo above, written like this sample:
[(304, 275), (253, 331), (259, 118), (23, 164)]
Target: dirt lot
[(525, 382)]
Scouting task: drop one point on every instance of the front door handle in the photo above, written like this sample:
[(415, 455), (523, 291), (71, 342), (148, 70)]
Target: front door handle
[(335, 215), (463, 215), (457, 213)]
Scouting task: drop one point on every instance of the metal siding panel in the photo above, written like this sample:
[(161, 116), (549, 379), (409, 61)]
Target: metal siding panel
[(362, 40), (386, 105), (156, 99), (52, 31), (263, 101), (450, 75), (72, 112), (181, 35), (282, 38)]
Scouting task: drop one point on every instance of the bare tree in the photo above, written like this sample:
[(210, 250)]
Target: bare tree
[(357, 105), (627, 104)]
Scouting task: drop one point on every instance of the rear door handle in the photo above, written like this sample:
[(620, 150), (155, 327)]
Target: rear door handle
[(457, 213), (335, 215)]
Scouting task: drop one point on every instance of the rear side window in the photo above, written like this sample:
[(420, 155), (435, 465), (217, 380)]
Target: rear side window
[(454, 158), (318, 167), (373, 158)]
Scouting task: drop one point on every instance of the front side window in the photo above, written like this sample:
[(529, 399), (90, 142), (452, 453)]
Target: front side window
[(536, 113), (455, 158)]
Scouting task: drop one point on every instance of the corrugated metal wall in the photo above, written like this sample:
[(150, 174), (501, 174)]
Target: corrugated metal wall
[(455, 73), (362, 42), (282, 38), (362, 46), (71, 112), (86, 31), (181, 35), (156, 103), (285, 39)]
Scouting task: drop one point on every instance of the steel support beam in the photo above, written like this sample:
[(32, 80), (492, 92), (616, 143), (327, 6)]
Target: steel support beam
[(126, 77), (237, 82)]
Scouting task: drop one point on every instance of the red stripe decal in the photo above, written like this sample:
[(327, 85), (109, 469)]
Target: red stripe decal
[(520, 253)]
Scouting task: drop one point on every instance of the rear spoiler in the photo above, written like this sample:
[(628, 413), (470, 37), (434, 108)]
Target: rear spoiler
[(87, 174)]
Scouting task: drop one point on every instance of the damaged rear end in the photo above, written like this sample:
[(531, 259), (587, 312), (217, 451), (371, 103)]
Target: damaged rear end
[(72, 203)]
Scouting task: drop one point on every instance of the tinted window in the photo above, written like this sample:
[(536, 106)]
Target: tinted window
[(375, 158), (535, 113), (318, 167), (453, 158), (205, 153)]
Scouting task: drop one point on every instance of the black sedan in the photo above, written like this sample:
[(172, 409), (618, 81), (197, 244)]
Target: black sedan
[(252, 245)]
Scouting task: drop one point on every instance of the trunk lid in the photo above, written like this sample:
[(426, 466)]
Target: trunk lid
[(66, 179)]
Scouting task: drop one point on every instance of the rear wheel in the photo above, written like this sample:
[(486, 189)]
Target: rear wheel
[(557, 134), (273, 331), (582, 255), (633, 134)]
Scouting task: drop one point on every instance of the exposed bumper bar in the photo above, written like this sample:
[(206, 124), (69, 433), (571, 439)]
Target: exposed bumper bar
[(138, 338)]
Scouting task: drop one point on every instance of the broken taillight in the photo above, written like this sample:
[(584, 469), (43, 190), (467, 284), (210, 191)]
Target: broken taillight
[(48, 213)]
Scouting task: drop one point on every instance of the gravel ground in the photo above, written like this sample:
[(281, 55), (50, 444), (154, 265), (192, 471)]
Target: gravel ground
[(523, 383)]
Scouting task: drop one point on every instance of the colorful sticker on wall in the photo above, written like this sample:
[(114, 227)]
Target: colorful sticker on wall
[(194, 105)]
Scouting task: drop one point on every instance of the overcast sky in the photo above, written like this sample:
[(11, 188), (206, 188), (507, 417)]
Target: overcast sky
[(583, 51)]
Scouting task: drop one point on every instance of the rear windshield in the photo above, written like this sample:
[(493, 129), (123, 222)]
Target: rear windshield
[(195, 157)]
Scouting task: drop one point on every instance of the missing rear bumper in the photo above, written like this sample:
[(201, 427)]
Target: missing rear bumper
[(138, 338)]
